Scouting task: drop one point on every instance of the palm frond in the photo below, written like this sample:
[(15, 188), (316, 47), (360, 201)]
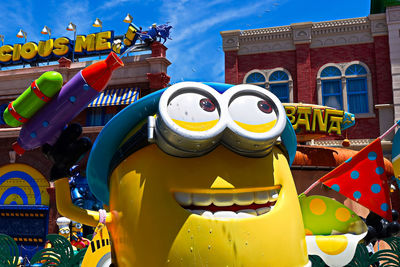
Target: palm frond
[(47, 257), (78, 258), (9, 251)]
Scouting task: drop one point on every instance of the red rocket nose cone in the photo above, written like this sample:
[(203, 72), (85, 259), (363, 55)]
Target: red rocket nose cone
[(113, 61), (98, 74)]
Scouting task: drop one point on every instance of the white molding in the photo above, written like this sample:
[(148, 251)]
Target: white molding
[(318, 34), (342, 67), (267, 73), (255, 71)]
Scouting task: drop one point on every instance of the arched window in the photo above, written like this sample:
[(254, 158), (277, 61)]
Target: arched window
[(357, 89), (278, 81), (279, 85), (331, 87), (346, 86), (256, 78)]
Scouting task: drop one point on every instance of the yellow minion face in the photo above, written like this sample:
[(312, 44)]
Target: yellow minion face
[(221, 209), (63, 227), (215, 189), (77, 227), (64, 232)]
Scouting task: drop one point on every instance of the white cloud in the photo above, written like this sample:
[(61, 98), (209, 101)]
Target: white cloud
[(195, 36)]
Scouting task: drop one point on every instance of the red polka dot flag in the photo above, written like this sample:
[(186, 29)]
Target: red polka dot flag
[(363, 179)]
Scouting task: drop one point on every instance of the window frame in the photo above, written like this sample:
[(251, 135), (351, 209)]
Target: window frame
[(343, 67), (267, 73)]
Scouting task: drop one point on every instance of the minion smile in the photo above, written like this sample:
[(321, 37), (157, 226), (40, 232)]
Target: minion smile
[(229, 203)]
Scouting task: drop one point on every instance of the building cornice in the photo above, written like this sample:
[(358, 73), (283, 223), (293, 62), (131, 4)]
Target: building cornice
[(317, 34)]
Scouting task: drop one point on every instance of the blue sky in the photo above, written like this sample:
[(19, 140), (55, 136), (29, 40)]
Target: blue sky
[(196, 49)]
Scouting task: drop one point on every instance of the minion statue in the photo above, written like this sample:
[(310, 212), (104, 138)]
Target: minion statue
[(197, 174)]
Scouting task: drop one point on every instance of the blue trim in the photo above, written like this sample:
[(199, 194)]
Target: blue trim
[(363, 92), (255, 77), (281, 91), (278, 76), (109, 139), (120, 96), (339, 93), (396, 144), (24, 207), (289, 140), (356, 69), (330, 72)]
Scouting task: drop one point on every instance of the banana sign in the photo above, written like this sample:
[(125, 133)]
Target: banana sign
[(314, 121)]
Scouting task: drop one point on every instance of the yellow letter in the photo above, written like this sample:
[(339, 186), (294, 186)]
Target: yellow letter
[(303, 117), (16, 57), (5, 55), (83, 44), (102, 41), (45, 48), (336, 119), (29, 51), (318, 115), (131, 33), (291, 113), (61, 47)]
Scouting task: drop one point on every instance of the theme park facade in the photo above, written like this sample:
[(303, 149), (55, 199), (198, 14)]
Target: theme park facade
[(27, 198), (321, 63), (349, 64)]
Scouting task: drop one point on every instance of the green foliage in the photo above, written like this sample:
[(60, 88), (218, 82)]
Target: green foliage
[(361, 257), (61, 253), (9, 251), (316, 261), (388, 257)]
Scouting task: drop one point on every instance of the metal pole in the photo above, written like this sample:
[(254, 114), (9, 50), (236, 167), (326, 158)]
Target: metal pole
[(73, 48)]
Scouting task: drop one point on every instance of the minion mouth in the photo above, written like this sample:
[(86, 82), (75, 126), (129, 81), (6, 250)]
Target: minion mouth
[(229, 205)]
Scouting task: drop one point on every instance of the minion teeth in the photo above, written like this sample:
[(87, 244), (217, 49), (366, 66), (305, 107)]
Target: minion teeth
[(229, 205)]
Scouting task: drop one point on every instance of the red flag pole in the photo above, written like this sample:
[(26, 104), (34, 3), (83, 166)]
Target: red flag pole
[(389, 130), (311, 187)]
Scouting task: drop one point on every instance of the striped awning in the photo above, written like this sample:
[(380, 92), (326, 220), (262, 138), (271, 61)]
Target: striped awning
[(113, 97)]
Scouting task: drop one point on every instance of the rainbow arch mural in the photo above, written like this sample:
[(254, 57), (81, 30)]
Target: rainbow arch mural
[(21, 184)]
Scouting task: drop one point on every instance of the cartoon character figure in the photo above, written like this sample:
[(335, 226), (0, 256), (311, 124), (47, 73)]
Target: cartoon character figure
[(213, 186), (77, 239), (63, 227)]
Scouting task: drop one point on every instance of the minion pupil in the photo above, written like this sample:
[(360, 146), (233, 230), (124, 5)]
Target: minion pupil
[(253, 109), (189, 106), (264, 106), (207, 105)]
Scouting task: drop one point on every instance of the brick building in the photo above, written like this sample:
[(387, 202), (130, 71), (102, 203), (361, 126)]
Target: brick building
[(345, 64)]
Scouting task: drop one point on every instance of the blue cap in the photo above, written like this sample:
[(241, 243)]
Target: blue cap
[(112, 135)]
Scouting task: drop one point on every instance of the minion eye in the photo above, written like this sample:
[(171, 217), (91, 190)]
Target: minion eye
[(207, 105), (264, 106), (194, 111), (78, 226), (253, 113)]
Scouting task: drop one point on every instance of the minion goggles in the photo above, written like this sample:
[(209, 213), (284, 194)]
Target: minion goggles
[(192, 119)]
